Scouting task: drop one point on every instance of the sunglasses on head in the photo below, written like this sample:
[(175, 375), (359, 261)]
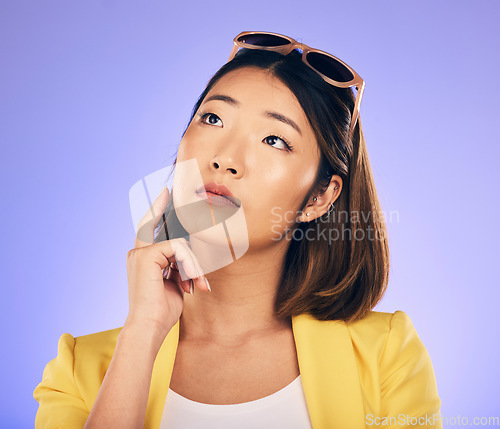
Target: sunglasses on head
[(330, 68)]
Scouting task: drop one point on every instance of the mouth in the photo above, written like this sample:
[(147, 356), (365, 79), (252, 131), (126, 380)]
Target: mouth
[(218, 194)]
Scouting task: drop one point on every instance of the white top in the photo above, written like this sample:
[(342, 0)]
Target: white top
[(285, 408)]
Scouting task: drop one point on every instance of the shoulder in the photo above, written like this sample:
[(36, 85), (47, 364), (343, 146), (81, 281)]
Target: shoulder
[(99, 344), (392, 344), (71, 380), (377, 323), (89, 357), (390, 352), (388, 334), (93, 354)]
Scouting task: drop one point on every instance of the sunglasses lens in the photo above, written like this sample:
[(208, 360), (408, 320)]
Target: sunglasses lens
[(263, 40), (329, 66)]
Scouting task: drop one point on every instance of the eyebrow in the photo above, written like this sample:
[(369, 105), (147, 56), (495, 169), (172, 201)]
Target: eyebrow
[(275, 115)]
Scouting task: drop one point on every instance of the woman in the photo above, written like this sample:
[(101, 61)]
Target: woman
[(281, 332)]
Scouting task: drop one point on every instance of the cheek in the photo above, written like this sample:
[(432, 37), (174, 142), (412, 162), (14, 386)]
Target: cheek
[(287, 184), (185, 150), (192, 143), (278, 194)]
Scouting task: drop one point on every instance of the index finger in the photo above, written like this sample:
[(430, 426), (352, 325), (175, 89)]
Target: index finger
[(146, 227)]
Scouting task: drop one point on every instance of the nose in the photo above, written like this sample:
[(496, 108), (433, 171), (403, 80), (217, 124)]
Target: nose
[(226, 164)]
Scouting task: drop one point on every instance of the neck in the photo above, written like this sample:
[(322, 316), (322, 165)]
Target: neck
[(240, 305)]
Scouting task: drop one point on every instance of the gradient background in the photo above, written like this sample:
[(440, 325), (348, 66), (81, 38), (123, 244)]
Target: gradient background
[(95, 95)]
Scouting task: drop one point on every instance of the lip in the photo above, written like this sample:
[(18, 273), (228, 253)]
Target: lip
[(217, 189)]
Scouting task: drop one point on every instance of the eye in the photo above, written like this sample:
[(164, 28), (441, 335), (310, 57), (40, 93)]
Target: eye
[(287, 146), (208, 115)]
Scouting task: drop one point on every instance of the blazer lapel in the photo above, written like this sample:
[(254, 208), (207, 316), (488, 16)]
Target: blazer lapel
[(327, 366), (329, 373)]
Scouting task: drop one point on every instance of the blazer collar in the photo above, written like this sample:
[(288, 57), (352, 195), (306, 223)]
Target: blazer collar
[(327, 366)]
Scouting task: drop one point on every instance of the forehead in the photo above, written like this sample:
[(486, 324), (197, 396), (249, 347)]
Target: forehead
[(253, 77)]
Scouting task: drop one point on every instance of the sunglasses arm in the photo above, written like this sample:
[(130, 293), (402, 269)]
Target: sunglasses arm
[(355, 113), (233, 52)]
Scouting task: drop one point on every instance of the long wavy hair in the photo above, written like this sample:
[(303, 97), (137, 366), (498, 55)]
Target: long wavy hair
[(343, 273)]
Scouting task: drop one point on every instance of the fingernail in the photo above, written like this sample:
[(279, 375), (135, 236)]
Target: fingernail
[(191, 288), (208, 284)]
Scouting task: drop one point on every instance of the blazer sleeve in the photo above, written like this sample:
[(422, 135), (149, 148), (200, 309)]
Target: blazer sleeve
[(60, 402), (408, 384)]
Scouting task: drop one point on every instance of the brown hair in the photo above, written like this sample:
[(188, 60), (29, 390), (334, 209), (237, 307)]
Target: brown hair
[(340, 278)]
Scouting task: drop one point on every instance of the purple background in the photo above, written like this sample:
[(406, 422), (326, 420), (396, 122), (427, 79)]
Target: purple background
[(95, 95)]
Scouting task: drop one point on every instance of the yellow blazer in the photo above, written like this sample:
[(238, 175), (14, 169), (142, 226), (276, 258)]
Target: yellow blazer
[(374, 372)]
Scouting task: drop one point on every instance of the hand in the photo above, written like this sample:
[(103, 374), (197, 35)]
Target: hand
[(156, 302)]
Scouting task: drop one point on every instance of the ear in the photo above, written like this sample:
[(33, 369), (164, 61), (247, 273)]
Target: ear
[(323, 201)]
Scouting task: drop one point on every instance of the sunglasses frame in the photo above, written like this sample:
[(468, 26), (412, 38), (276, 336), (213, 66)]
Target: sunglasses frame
[(356, 82)]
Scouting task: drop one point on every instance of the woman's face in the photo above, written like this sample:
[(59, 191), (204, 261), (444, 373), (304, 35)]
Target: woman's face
[(238, 140)]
